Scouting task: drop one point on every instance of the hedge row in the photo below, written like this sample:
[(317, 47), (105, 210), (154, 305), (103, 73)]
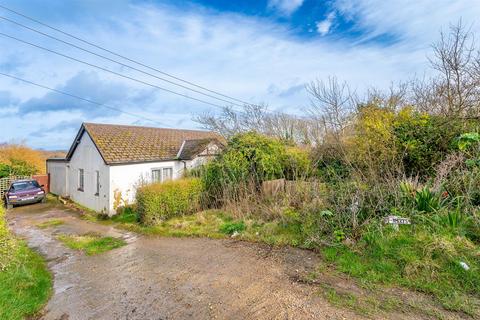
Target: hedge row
[(160, 201)]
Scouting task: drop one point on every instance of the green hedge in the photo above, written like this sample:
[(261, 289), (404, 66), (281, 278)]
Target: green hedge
[(160, 201)]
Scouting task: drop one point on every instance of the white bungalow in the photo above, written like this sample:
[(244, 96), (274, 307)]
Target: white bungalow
[(106, 162)]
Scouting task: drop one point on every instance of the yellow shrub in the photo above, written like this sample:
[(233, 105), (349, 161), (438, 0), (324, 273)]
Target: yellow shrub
[(20, 152)]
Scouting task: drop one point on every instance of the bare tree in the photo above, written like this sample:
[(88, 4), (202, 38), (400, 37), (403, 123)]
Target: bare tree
[(258, 118), (332, 104), (455, 88), (393, 99)]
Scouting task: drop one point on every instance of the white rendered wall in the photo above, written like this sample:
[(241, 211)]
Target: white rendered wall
[(124, 179), (87, 157), (58, 177)]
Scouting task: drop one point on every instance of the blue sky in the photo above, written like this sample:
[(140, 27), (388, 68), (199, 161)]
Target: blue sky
[(257, 51)]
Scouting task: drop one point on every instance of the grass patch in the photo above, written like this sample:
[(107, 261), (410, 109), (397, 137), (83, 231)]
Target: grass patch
[(91, 243), (418, 259), (25, 285), (211, 224), (232, 227), (50, 223), (364, 304), (127, 215)]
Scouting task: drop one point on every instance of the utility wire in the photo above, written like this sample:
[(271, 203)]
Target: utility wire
[(110, 71), (116, 61), (84, 99), (119, 55)]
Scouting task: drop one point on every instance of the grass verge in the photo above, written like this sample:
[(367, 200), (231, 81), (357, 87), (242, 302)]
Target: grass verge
[(417, 259), (91, 243), (211, 224), (25, 283)]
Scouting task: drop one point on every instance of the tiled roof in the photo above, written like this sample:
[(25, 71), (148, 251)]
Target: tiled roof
[(191, 148), (131, 144)]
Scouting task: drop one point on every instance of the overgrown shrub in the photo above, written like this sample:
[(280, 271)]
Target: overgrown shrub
[(248, 160), (423, 140), (160, 201)]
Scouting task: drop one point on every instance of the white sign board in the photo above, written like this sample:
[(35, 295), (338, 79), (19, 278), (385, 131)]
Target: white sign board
[(396, 220)]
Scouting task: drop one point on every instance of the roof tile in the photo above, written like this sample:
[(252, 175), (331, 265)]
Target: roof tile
[(127, 144)]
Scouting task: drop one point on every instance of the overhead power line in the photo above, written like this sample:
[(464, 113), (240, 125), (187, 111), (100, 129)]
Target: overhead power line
[(84, 99), (120, 56), (110, 71), (116, 61)]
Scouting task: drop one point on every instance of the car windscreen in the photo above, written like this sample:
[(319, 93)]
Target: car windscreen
[(25, 185)]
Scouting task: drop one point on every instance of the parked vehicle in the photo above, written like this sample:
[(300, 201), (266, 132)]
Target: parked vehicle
[(24, 192)]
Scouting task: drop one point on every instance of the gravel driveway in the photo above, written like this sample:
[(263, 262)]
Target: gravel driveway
[(170, 278)]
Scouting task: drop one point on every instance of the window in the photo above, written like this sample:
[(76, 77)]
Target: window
[(97, 184), (162, 174), (24, 185), (156, 175), (80, 179), (167, 174)]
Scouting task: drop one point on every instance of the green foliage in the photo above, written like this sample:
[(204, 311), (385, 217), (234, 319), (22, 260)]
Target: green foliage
[(469, 145), (4, 170), (423, 140), (253, 158), (17, 168), (296, 163), (160, 201), (232, 227), (416, 258), (7, 242), (330, 163), (25, 283), (126, 215), (91, 243), (468, 140), (426, 200)]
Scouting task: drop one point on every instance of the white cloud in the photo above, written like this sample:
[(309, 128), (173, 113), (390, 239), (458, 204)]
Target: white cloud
[(324, 26), (285, 7), (417, 22), (246, 57)]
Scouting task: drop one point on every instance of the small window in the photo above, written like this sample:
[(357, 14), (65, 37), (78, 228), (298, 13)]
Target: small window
[(162, 174), (167, 174), (80, 179), (97, 183), (156, 175)]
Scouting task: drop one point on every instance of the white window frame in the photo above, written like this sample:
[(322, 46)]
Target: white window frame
[(161, 174), (81, 179), (97, 183)]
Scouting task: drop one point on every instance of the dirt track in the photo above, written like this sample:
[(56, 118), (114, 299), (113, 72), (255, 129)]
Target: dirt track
[(171, 278)]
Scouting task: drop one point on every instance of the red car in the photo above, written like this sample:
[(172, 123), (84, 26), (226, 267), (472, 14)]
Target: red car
[(24, 192)]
